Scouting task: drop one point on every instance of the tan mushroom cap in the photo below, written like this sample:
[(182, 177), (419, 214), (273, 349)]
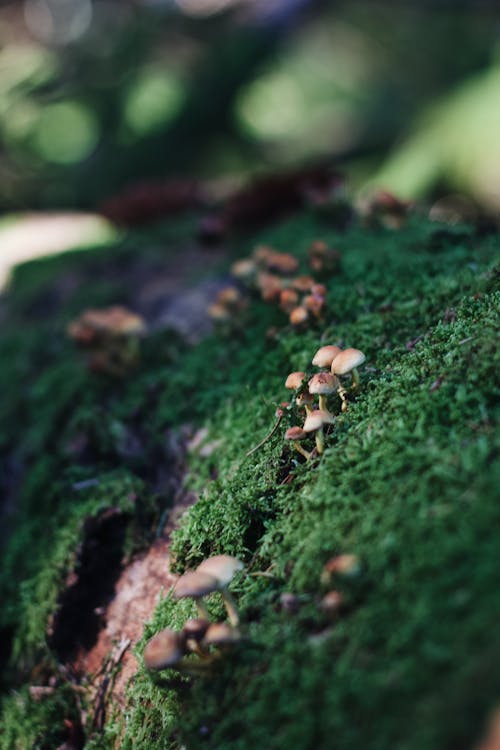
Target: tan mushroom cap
[(220, 567), (221, 634), (322, 383), (218, 311), (346, 361), (298, 315), (316, 419), (163, 650), (294, 380), (195, 584), (295, 433), (332, 602), (115, 319), (288, 300), (304, 398), (282, 263), (303, 283), (262, 252), (243, 268), (314, 303), (319, 289), (344, 565), (325, 356), (229, 295)]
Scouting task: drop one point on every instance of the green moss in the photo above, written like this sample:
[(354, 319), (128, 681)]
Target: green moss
[(408, 482), (45, 729)]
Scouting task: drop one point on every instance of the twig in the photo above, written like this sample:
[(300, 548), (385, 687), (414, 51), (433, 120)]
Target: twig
[(268, 436)]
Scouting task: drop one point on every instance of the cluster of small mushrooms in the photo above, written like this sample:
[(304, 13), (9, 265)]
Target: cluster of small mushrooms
[(334, 363), (110, 338), (275, 277), (207, 640)]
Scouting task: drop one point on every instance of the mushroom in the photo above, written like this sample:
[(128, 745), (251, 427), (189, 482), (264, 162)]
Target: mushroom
[(296, 434), (222, 569), (282, 263), (325, 356), (165, 649), (298, 316), (270, 286), (219, 312), (348, 361), (111, 336), (315, 304), (195, 585), (323, 383), (303, 283), (244, 269), (305, 399), (295, 381), (193, 631), (230, 297), (346, 565), (331, 603), (222, 636), (314, 423), (289, 299), (220, 633)]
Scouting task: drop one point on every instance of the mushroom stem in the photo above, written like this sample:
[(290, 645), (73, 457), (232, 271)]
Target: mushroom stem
[(322, 402), (302, 450), (202, 609), (231, 608), (355, 378), (195, 647), (342, 395), (320, 440), (308, 409)]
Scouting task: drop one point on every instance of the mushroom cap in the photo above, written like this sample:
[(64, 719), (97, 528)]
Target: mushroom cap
[(116, 320), (314, 303), (195, 628), (332, 602), (294, 380), (347, 361), (295, 433), (282, 263), (323, 383), (343, 565), (298, 315), (195, 584), (262, 252), (220, 567), (221, 634), (270, 286), (304, 398), (325, 356), (163, 650), (303, 283), (218, 311), (319, 289), (229, 295), (243, 268), (316, 419), (288, 300)]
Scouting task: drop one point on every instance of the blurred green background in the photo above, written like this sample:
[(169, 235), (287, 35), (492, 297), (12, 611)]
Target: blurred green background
[(97, 94)]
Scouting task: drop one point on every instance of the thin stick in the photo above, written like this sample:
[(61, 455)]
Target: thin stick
[(268, 436)]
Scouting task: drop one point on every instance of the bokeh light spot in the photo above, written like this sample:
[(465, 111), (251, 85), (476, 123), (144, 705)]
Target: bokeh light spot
[(67, 132), (153, 98)]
